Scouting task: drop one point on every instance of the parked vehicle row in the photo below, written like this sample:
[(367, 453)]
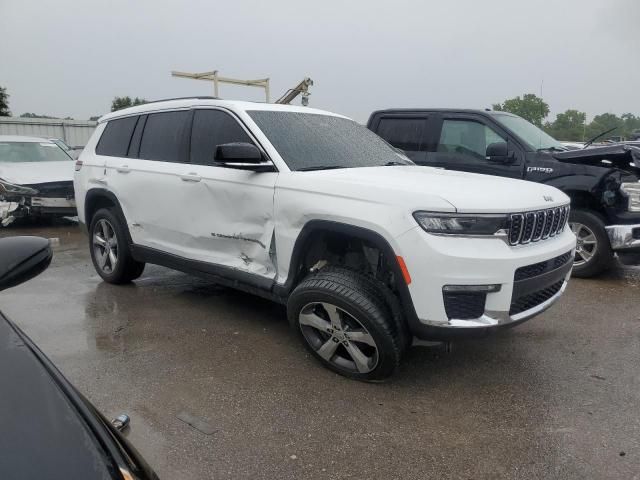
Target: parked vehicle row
[(367, 250), (602, 182)]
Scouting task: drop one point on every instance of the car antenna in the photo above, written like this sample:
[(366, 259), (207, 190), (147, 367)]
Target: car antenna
[(591, 140)]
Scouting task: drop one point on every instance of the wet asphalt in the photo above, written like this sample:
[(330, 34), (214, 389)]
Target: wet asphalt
[(557, 397)]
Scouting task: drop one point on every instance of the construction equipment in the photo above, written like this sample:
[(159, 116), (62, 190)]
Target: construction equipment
[(301, 89), (216, 79)]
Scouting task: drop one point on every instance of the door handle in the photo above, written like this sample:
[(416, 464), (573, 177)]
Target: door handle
[(123, 169), (190, 177)]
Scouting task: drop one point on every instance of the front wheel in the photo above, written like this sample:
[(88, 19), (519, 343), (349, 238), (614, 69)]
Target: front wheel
[(593, 249), (346, 325)]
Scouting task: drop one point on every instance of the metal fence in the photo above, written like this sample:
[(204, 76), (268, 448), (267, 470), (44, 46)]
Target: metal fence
[(75, 133)]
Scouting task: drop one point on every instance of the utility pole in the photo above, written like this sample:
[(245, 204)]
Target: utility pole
[(217, 80)]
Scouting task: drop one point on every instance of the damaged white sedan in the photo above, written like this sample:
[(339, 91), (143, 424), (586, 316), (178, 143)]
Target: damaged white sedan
[(36, 179)]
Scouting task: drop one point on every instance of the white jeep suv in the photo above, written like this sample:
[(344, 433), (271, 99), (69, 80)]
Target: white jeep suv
[(367, 250)]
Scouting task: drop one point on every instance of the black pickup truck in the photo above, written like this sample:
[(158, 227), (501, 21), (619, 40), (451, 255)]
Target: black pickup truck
[(601, 181)]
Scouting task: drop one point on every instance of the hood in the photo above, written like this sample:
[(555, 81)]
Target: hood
[(424, 188), (33, 173), (624, 157)]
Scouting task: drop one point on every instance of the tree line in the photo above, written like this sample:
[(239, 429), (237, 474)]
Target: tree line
[(570, 125)]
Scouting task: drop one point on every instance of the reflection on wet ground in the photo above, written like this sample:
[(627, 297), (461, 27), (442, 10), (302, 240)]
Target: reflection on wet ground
[(558, 397)]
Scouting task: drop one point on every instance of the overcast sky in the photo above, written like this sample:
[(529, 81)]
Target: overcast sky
[(67, 57)]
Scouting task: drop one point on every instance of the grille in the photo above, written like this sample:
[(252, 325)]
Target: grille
[(464, 306), (531, 300), (536, 269), (538, 225), (54, 189)]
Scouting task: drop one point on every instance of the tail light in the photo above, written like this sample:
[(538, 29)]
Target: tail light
[(78, 165)]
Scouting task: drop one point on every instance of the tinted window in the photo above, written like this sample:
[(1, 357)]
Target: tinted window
[(466, 137), (163, 135), (134, 145), (116, 136), (403, 133), (210, 129)]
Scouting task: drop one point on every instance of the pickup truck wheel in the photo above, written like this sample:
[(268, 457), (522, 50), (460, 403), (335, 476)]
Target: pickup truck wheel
[(593, 250), (109, 250), (345, 325)]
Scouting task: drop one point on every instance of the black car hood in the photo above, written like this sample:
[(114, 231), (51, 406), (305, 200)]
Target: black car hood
[(42, 434), (624, 157)]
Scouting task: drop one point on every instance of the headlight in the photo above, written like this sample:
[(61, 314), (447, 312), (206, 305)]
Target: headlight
[(461, 224), (632, 190), (7, 188)]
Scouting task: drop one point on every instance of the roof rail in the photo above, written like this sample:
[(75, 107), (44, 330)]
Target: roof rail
[(197, 97)]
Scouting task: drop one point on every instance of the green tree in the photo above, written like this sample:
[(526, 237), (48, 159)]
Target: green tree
[(4, 103), (119, 103), (569, 125), (530, 107), (35, 115), (603, 122)]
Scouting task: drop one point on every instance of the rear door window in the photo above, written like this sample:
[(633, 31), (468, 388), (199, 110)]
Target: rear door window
[(115, 139), (210, 129), (163, 137)]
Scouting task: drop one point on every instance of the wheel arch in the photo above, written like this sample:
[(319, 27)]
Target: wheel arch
[(98, 198), (314, 228)]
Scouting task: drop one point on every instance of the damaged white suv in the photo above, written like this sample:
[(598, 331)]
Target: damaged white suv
[(311, 209)]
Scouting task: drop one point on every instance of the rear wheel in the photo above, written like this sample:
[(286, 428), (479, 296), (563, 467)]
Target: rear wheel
[(109, 250), (346, 325), (593, 250)]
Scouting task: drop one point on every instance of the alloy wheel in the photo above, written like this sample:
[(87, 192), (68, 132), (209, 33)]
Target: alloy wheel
[(586, 243), (338, 338), (105, 246)]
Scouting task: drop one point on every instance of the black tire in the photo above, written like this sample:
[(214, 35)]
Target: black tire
[(601, 256), (363, 311), (126, 268)]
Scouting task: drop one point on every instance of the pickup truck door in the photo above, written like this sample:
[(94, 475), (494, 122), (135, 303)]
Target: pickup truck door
[(227, 215), (462, 141)]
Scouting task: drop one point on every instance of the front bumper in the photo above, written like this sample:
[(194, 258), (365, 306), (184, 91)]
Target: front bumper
[(624, 238), (444, 261)]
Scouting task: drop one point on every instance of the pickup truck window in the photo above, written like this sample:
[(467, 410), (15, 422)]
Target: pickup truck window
[(467, 137), (309, 141), (404, 133), (528, 132)]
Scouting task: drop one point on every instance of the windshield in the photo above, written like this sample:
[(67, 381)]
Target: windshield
[(309, 141), (528, 132), (18, 152)]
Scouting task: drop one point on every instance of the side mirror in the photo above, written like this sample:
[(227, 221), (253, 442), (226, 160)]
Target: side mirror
[(239, 152), (22, 258), (243, 156), (498, 152)]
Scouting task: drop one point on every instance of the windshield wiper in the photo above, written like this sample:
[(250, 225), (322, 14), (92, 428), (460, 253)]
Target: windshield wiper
[(319, 167), (591, 140), (394, 163), (551, 149)]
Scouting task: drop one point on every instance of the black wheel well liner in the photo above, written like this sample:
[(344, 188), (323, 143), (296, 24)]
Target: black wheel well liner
[(97, 198), (314, 227)]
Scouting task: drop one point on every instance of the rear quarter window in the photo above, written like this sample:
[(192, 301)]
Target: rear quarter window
[(116, 136)]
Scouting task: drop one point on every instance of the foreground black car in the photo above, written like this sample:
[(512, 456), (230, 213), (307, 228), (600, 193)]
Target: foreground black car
[(48, 429)]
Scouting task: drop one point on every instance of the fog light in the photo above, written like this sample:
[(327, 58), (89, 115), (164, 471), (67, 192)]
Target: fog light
[(473, 288)]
